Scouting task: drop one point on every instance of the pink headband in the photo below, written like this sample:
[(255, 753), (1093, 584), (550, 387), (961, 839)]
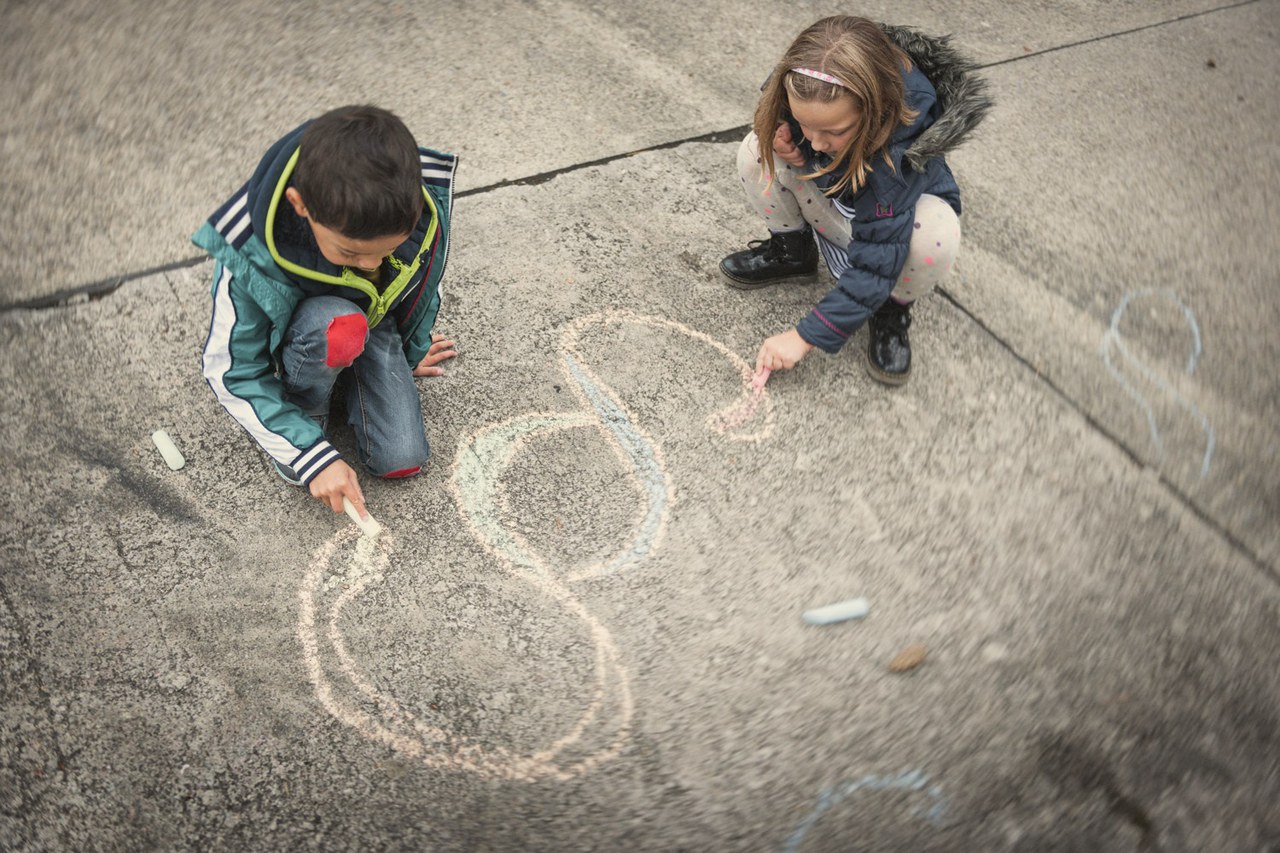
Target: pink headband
[(820, 75)]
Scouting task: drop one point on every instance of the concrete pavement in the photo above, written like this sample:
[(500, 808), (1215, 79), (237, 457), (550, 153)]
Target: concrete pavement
[(584, 630)]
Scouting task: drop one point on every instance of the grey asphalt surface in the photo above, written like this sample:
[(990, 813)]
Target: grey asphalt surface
[(1072, 505)]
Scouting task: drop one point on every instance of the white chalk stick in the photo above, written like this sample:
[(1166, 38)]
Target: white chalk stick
[(854, 608), (368, 526), (167, 449)]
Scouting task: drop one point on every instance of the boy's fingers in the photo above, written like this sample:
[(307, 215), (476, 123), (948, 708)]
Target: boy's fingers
[(355, 493), (356, 500)]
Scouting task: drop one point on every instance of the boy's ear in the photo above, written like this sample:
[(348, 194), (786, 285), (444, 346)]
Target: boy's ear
[(295, 199)]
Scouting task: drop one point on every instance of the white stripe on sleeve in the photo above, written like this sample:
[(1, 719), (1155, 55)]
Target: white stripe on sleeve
[(231, 214), (217, 361)]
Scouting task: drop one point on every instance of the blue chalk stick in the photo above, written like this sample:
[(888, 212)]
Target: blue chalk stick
[(854, 608)]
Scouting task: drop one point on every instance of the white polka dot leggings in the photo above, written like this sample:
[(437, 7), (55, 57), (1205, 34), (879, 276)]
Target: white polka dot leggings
[(788, 204)]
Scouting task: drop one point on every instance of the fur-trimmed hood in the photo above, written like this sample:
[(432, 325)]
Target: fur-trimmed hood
[(962, 94)]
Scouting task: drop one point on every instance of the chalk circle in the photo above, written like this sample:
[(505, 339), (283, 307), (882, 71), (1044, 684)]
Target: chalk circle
[(347, 693), (476, 484), (729, 421)]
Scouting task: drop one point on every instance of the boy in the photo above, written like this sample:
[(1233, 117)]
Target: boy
[(329, 260)]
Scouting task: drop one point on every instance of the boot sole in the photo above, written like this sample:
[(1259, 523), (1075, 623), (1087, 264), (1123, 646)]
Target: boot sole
[(746, 284), (894, 379)]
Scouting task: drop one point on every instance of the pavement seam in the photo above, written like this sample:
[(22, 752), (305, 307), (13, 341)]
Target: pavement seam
[(1120, 33), (98, 289), (1269, 571)]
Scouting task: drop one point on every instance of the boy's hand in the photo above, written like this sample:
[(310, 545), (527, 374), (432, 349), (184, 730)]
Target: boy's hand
[(785, 147), (782, 351), (336, 482), (441, 350)]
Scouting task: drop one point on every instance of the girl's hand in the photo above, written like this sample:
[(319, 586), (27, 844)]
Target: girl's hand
[(785, 147), (782, 351), (441, 350)]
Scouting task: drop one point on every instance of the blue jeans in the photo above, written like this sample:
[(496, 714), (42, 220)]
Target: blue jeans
[(327, 335)]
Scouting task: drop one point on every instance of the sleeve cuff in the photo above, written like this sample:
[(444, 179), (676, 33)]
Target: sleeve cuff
[(315, 459), (821, 332)]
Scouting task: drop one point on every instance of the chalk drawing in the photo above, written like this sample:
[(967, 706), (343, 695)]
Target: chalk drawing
[(476, 486), (912, 780), (1113, 342)]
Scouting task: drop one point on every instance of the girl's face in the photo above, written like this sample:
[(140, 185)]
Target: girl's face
[(828, 125)]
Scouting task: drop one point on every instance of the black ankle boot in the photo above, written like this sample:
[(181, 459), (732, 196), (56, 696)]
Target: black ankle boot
[(888, 350), (765, 262)]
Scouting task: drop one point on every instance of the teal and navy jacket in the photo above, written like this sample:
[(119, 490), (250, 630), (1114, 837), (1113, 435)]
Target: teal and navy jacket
[(267, 261)]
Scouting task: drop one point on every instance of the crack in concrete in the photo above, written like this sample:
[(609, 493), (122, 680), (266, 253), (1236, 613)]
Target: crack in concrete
[(1190, 505), (97, 290), (1120, 33), (100, 289)]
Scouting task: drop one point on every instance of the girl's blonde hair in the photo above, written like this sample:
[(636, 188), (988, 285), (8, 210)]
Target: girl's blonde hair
[(856, 52)]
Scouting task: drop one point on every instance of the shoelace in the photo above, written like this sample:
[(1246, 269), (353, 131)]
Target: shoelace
[(895, 323), (772, 248)]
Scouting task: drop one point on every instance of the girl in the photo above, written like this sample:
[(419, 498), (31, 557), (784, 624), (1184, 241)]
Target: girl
[(855, 134)]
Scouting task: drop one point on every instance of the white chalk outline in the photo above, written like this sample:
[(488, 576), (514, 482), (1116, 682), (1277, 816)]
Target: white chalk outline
[(475, 483)]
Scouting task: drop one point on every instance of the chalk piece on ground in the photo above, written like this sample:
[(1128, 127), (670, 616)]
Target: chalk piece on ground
[(761, 378), (167, 449), (368, 526), (854, 608), (909, 658)]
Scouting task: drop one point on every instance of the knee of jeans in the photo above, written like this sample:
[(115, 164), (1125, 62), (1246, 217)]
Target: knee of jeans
[(398, 466), (402, 473), (345, 339)]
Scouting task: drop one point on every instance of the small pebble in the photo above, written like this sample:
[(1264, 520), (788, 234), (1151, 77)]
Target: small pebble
[(909, 658)]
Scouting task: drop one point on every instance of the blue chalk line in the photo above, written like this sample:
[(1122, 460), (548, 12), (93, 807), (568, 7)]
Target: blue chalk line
[(642, 456), (1114, 340), (911, 780)]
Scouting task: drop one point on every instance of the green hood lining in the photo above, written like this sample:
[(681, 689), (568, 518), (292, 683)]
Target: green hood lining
[(379, 303)]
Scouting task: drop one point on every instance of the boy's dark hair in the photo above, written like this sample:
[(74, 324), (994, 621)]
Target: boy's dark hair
[(358, 173)]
